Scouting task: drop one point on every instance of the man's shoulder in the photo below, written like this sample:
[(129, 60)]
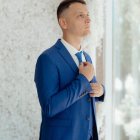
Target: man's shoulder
[(51, 50), (50, 54)]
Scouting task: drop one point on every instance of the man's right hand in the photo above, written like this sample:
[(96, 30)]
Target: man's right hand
[(87, 70)]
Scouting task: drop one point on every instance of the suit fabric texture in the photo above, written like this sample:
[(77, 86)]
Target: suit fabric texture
[(64, 96)]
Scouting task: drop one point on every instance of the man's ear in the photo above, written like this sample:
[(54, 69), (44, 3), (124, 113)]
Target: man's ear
[(63, 23)]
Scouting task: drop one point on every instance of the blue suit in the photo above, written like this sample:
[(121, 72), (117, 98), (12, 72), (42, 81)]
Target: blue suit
[(64, 96)]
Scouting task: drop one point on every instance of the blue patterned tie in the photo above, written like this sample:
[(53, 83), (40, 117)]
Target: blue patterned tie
[(79, 56)]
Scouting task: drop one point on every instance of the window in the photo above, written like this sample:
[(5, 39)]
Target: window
[(122, 70)]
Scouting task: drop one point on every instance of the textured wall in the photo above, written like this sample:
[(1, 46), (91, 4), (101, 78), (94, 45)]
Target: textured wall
[(26, 29)]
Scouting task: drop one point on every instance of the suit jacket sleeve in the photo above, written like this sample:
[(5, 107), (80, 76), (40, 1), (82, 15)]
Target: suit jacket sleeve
[(51, 98)]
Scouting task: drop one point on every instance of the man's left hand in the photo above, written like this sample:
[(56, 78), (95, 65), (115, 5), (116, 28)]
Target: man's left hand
[(97, 90)]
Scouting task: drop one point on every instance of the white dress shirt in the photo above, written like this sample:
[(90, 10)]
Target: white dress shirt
[(72, 50)]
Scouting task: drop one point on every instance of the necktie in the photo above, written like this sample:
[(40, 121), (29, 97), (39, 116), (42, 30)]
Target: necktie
[(79, 56)]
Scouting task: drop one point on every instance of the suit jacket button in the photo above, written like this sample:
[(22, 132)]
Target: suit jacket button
[(87, 118)]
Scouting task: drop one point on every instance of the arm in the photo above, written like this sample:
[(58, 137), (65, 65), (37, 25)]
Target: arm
[(51, 99), (94, 80)]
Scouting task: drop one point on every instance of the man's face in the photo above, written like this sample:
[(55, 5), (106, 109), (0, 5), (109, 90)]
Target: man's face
[(77, 20)]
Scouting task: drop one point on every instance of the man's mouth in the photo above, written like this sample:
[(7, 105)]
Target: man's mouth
[(88, 27)]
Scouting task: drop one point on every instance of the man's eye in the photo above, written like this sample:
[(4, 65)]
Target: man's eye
[(81, 16)]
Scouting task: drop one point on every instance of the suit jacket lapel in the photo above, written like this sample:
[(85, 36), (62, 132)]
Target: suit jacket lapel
[(66, 55)]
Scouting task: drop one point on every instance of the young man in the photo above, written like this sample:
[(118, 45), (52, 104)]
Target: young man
[(66, 82)]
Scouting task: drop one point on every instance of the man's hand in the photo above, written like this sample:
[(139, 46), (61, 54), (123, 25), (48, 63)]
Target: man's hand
[(97, 90), (87, 70)]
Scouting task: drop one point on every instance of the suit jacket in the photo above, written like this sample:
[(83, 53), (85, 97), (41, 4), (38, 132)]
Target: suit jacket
[(63, 95)]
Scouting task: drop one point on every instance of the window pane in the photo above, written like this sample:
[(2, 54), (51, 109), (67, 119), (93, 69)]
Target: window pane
[(126, 70)]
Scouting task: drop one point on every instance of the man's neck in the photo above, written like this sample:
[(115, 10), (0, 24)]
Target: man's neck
[(74, 41)]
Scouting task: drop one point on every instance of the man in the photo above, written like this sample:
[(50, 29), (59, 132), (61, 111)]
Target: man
[(66, 82)]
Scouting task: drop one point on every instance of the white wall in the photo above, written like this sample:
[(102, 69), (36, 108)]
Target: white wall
[(26, 29)]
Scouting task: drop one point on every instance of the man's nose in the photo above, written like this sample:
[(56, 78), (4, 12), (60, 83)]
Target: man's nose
[(88, 19)]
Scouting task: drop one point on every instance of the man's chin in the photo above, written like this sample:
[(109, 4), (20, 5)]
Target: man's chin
[(86, 33)]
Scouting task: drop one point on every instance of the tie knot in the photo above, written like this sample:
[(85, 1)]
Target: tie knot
[(79, 56)]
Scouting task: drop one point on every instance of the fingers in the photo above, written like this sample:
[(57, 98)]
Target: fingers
[(82, 64), (86, 63), (92, 95), (95, 86), (96, 94), (87, 70), (97, 90)]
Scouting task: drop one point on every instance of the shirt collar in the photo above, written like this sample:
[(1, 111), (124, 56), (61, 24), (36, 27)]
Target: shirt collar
[(71, 48)]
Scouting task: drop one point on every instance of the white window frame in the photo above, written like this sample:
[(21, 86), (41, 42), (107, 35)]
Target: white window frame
[(108, 67)]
